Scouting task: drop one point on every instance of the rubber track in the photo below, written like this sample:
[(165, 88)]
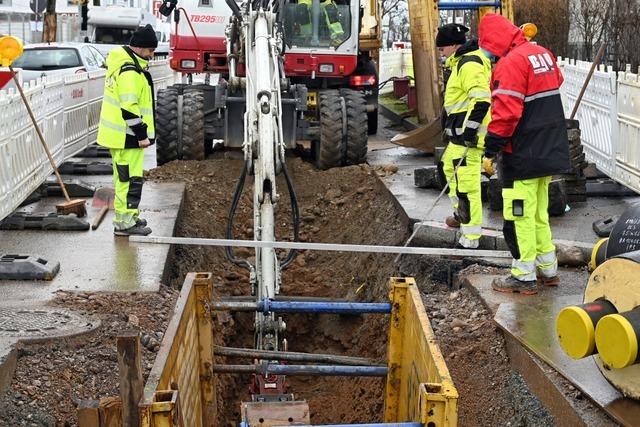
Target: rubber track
[(166, 125), (193, 126), (330, 152), (357, 126)]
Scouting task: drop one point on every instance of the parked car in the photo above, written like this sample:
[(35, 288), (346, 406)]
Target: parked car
[(57, 59)]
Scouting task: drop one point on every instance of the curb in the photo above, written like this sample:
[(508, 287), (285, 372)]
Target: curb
[(391, 115), (438, 235)]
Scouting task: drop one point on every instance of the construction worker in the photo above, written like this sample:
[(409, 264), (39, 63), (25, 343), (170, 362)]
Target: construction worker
[(467, 99), (329, 13), (127, 125), (528, 136)]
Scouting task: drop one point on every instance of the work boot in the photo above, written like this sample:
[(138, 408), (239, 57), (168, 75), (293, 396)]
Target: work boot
[(512, 285), (452, 221), (141, 222), (547, 281), (136, 230)]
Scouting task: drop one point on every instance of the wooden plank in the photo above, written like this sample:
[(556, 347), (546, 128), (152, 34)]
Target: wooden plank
[(110, 412), (88, 413), (130, 372), (274, 414), (204, 294)]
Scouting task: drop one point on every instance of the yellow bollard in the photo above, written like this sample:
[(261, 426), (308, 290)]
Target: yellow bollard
[(617, 339)]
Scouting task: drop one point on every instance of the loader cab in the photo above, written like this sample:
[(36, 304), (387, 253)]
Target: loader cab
[(321, 37)]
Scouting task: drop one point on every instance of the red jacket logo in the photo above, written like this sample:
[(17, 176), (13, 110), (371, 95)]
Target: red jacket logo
[(541, 63)]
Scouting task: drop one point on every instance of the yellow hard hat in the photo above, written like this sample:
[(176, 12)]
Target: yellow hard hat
[(530, 30), (10, 49)]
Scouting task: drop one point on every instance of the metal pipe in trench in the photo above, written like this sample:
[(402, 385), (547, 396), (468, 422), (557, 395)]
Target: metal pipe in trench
[(291, 356), (270, 306), (303, 370)]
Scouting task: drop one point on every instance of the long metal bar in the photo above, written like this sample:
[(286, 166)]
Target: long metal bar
[(306, 370), (469, 5), (270, 306), (335, 247), (290, 356), (410, 424)]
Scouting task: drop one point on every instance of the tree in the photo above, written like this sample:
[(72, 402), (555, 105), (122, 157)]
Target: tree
[(50, 23), (590, 19), (552, 19), (623, 37)]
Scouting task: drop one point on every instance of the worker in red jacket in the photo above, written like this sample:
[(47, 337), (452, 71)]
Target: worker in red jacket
[(528, 136)]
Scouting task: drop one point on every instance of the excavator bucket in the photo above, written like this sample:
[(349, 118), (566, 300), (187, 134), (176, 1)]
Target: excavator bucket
[(424, 138)]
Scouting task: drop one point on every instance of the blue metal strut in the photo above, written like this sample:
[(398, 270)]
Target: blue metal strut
[(468, 5)]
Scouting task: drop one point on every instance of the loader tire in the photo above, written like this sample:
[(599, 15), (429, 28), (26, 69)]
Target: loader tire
[(193, 142), (357, 126), (167, 126), (329, 150)]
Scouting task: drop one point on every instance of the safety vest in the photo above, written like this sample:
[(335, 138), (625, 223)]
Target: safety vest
[(467, 96), (330, 14), (128, 101)]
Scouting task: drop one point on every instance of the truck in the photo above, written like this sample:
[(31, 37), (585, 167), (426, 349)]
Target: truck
[(329, 58), (111, 23)]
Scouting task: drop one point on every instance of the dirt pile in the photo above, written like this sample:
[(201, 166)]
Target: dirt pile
[(52, 378)]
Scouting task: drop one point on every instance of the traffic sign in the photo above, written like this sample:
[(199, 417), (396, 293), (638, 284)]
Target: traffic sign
[(38, 6)]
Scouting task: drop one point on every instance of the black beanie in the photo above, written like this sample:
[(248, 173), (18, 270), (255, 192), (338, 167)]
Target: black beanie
[(451, 34), (144, 37)]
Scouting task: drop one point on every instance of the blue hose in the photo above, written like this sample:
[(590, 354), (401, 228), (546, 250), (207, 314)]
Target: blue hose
[(270, 306), (470, 5)]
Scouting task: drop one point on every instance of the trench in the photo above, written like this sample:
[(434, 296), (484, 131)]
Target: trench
[(344, 205)]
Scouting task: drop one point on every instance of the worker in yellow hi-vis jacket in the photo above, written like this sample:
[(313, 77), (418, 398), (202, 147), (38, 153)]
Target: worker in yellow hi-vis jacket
[(127, 125), (467, 100)]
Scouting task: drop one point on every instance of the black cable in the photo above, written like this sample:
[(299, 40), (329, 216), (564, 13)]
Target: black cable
[(232, 212), (295, 216)]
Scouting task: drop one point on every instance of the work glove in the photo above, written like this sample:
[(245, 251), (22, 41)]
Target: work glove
[(488, 164), (470, 137)]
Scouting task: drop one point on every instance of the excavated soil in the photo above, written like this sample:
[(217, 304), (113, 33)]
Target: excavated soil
[(346, 205)]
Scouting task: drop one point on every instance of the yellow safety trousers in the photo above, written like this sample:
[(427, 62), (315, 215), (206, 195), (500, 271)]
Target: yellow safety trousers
[(128, 169), (526, 228), (464, 187)]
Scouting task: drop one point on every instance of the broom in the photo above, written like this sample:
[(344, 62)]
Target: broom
[(70, 206)]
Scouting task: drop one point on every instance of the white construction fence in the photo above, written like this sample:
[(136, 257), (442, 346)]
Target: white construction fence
[(394, 63), (609, 116), (68, 112)]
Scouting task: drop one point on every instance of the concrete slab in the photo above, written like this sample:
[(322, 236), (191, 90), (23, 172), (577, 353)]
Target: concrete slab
[(533, 325), (96, 260), (528, 322)]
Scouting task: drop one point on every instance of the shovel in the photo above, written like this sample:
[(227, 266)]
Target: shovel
[(103, 199)]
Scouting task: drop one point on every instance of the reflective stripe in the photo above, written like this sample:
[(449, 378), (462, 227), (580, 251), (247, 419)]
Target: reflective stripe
[(110, 100), (114, 126), (542, 95), (151, 134), (133, 122), (547, 264), (472, 125), (146, 111), (448, 132), (482, 128), (459, 105), (459, 131), (508, 92), (548, 258), (479, 94), (124, 97), (524, 271)]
